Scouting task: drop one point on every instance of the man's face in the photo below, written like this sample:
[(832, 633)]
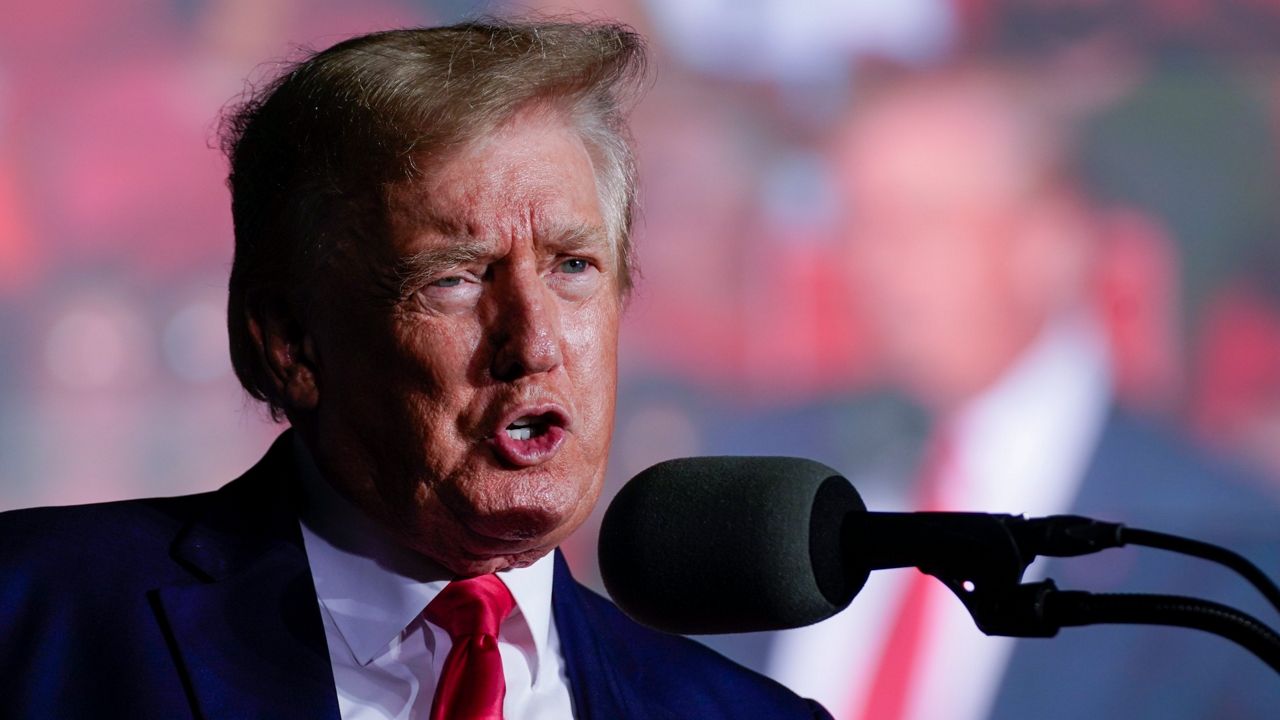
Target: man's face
[(466, 371)]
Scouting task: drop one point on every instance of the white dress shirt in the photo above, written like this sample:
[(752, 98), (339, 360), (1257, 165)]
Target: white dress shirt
[(1022, 446), (385, 657)]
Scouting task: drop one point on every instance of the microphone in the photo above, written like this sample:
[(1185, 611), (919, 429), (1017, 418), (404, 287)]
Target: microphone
[(730, 544), (741, 544)]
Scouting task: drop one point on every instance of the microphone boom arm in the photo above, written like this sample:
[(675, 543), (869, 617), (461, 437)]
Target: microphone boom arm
[(981, 558)]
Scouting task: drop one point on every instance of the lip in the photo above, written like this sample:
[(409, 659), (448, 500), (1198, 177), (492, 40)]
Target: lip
[(535, 450)]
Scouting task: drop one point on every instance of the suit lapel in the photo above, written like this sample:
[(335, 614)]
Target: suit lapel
[(249, 638), (594, 683)]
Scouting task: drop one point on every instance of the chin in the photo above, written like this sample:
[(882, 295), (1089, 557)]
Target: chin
[(514, 520), (470, 567), (522, 524), (492, 543)]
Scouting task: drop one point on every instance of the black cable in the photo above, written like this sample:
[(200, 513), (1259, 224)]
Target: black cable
[(1071, 608), (1186, 546)]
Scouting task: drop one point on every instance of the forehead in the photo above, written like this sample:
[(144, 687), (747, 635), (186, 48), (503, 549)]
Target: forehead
[(529, 179)]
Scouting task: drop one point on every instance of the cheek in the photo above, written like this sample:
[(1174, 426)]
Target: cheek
[(413, 388), (435, 356), (591, 339)]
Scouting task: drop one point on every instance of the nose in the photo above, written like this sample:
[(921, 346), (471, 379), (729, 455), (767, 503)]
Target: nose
[(526, 328)]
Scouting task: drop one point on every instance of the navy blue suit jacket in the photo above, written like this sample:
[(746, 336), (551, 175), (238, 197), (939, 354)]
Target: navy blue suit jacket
[(203, 606)]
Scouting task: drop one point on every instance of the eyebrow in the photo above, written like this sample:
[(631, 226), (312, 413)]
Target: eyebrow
[(575, 237), (413, 270)]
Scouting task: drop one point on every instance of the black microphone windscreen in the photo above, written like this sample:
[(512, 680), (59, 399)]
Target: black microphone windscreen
[(730, 544)]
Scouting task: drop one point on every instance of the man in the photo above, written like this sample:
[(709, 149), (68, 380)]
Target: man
[(432, 253), (975, 253)]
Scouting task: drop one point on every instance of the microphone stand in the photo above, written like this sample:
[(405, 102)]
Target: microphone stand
[(982, 558), (1073, 608), (1040, 610)]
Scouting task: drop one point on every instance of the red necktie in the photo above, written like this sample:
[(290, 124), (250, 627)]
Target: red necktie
[(471, 686), (899, 659)]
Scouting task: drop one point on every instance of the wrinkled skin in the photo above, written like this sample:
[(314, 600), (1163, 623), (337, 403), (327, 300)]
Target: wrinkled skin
[(495, 292)]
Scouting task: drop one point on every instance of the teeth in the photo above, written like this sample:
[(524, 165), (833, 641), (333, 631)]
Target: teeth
[(522, 422), (520, 433)]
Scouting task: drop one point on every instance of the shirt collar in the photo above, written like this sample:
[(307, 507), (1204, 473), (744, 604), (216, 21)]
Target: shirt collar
[(373, 587)]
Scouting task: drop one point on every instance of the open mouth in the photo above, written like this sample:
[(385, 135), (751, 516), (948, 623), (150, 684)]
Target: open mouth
[(530, 436), (528, 427)]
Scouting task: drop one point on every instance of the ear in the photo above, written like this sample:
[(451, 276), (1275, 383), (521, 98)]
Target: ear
[(287, 354)]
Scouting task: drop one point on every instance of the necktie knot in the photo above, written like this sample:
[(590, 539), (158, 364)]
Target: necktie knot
[(471, 684), (473, 606)]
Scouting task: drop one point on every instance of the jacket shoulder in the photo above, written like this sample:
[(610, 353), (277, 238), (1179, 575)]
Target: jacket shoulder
[(49, 554), (128, 538)]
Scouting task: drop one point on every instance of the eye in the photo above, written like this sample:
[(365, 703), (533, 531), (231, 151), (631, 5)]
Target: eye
[(462, 286), (574, 265)]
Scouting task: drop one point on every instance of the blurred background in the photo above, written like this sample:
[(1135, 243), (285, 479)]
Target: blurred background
[(868, 229)]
